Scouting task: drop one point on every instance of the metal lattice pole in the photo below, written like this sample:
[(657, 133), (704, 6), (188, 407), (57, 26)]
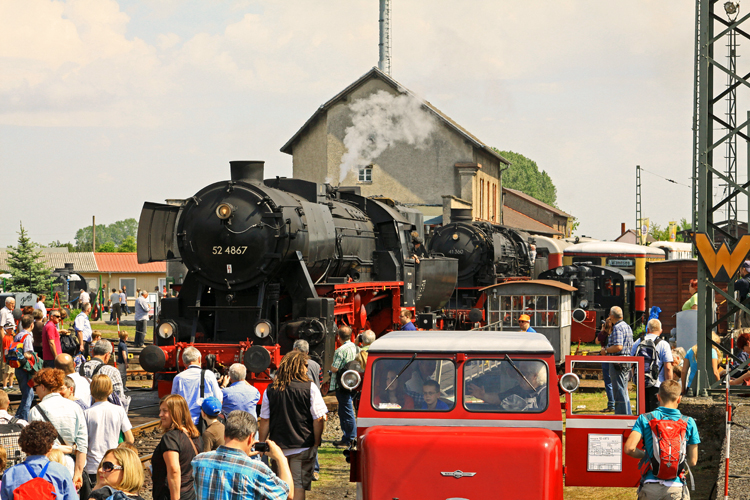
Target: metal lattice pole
[(638, 210)]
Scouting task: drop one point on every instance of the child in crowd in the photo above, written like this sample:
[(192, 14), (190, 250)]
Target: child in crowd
[(7, 370)]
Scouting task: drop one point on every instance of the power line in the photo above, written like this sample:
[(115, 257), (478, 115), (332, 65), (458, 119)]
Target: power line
[(667, 179)]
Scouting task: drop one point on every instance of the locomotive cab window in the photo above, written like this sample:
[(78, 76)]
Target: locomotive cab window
[(494, 385), (425, 384)]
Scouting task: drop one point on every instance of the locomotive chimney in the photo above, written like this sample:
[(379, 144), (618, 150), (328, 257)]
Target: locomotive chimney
[(247, 171), (461, 215)]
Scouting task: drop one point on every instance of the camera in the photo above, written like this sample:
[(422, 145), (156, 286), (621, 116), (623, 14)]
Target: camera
[(261, 447)]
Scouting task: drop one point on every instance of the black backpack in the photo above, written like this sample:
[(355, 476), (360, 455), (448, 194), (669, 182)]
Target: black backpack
[(69, 345), (647, 349)]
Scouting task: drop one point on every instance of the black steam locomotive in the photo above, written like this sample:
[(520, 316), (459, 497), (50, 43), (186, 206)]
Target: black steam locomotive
[(599, 288), (485, 252), (273, 261)]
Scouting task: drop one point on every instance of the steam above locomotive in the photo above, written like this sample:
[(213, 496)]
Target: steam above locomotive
[(276, 260)]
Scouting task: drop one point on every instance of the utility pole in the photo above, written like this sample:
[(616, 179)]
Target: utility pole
[(93, 227), (638, 208), (384, 60)]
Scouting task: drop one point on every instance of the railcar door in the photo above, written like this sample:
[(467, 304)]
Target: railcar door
[(594, 435)]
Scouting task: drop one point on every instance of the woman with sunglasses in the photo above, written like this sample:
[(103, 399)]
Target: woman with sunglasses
[(172, 472), (120, 476)]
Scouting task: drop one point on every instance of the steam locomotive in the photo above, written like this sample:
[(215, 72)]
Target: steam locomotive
[(272, 261), (599, 288), (486, 253)]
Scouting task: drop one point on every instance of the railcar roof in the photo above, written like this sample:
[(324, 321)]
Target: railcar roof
[(431, 341), (612, 247)]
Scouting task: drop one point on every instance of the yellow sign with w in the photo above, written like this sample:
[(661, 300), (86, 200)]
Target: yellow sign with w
[(722, 264)]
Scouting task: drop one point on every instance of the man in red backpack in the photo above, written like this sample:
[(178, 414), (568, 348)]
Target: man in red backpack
[(670, 444)]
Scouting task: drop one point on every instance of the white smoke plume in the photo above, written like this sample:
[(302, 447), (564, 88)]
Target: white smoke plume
[(378, 122)]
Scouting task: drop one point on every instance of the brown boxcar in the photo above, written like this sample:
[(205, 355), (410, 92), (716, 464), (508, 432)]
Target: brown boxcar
[(667, 284)]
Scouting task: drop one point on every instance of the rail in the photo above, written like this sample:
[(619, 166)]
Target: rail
[(143, 428)]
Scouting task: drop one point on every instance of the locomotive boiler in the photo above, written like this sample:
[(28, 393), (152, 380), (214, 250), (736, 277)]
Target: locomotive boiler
[(485, 252), (272, 261)]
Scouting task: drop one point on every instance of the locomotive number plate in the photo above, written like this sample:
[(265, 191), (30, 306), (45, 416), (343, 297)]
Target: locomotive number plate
[(230, 250)]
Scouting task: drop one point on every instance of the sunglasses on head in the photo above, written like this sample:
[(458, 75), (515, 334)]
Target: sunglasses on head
[(109, 467)]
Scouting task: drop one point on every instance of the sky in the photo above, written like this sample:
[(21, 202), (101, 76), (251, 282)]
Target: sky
[(106, 104)]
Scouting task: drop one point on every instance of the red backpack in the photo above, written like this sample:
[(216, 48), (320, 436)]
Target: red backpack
[(14, 356), (668, 456), (37, 488)]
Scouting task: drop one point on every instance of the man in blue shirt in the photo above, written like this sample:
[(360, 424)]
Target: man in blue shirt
[(620, 343), (405, 320), (524, 321), (229, 473), (669, 398), (238, 394), (188, 383)]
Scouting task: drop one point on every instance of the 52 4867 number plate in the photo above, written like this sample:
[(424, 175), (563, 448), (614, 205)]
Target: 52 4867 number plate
[(229, 250)]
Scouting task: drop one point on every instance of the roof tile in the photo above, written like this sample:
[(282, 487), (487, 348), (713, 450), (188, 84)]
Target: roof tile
[(126, 262)]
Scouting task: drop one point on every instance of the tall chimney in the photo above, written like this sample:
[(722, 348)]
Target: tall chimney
[(384, 47), (247, 171), (622, 228)]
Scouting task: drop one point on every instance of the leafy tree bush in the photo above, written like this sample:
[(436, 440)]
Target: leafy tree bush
[(26, 267), (524, 175), (115, 233)]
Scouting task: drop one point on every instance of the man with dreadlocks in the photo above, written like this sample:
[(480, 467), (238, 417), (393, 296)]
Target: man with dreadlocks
[(293, 415)]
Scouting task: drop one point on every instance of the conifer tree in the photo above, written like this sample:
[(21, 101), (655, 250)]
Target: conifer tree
[(29, 274)]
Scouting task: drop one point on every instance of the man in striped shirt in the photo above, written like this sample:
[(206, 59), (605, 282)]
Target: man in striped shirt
[(230, 474), (344, 354)]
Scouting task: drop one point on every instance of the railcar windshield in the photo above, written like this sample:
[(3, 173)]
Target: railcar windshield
[(425, 385), (493, 385)]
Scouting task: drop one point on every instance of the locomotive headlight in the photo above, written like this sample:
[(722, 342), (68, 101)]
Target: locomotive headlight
[(263, 329), (351, 379), (455, 236), (583, 304), (224, 211), (559, 271), (167, 329)]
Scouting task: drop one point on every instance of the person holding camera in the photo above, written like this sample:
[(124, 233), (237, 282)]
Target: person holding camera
[(229, 473)]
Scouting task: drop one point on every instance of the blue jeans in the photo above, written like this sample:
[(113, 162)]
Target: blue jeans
[(608, 385), (620, 377), (347, 418), (27, 394)]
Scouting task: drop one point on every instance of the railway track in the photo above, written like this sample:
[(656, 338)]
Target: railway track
[(143, 428)]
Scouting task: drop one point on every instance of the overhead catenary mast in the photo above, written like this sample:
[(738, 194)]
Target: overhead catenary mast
[(384, 60)]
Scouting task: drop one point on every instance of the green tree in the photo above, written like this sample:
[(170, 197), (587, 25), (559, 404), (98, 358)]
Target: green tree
[(107, 247), (59, 244), (116, 233), (524, 175), (29, 274), (662, 234), (127, 245)]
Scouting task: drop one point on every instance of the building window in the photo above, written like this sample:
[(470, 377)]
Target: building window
[(481, 198), (494, 202), (365, 174), (129, 287)]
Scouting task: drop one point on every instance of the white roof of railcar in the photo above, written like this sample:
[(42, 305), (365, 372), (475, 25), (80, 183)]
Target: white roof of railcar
[(679, 246), (551, 243), (613, 248), (431, 341)]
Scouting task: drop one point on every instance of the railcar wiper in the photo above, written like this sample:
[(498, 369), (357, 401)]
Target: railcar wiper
[(518, 371), (414, 356)]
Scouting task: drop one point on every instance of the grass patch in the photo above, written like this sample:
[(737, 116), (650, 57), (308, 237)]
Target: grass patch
[(333, 465)]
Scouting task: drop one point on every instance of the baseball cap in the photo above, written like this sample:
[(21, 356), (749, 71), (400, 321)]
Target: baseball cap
[(524, 317), (211, 406)]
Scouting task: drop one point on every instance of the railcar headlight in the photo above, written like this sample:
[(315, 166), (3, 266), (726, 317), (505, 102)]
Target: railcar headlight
[(351, 379), (569, 382), (224, 211), (167, 329), (263, 329)]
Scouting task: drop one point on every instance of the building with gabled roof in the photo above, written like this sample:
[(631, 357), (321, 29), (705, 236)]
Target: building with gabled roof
[(522, 211), (452, 164)]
